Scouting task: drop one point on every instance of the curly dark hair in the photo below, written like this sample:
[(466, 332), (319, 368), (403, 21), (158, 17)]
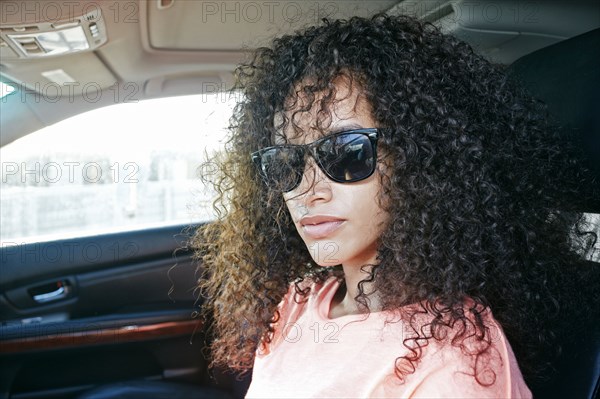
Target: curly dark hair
[(480, 198)]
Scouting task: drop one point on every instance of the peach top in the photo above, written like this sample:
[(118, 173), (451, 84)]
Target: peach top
[(353, 356)]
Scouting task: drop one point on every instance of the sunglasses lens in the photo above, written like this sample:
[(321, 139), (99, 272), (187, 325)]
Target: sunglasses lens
[(282, 167), (344, 157), (347, 157)]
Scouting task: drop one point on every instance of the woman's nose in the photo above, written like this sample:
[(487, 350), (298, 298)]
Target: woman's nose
[(315, 185)]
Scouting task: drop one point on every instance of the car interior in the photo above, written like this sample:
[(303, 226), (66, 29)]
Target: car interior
[(124, 322)]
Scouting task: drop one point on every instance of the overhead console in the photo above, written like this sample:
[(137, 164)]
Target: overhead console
[(85, 32)]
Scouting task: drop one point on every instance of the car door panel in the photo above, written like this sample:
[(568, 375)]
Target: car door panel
[(121, 318)]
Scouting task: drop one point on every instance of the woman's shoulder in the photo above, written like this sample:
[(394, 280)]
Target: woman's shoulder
[(469, 356)]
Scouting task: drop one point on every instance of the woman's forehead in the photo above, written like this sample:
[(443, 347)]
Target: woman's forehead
[(304, 119)]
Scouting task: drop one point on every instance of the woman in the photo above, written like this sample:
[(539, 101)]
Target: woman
[(388, 220)]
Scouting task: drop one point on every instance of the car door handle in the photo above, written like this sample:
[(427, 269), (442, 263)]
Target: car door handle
[(61, 289), (51, 296)]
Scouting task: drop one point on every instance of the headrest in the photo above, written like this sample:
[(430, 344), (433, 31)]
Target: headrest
[(566, 76)]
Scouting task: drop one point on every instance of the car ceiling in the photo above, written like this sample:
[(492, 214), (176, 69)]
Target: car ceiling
[(159, 48)]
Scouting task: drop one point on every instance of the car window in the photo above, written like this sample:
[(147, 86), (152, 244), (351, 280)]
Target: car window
[(125, 166), (5, 89)]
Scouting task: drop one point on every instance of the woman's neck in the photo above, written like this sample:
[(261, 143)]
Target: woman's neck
[(344, 302)]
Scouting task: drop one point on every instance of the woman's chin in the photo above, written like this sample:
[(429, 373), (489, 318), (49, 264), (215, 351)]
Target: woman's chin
[(325, 263), (325, 253)]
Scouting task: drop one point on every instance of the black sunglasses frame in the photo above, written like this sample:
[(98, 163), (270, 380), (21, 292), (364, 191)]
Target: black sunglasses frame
[(371, 133)]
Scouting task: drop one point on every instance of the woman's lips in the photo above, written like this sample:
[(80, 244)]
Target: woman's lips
[(320, 227)]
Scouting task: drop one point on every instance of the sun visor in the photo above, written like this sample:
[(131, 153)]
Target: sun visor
[(237, 25), (53, 77)]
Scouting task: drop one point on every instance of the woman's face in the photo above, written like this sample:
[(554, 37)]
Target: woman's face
[(340, 223)]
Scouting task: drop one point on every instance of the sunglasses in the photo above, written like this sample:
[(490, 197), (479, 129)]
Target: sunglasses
[(344, 157)]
